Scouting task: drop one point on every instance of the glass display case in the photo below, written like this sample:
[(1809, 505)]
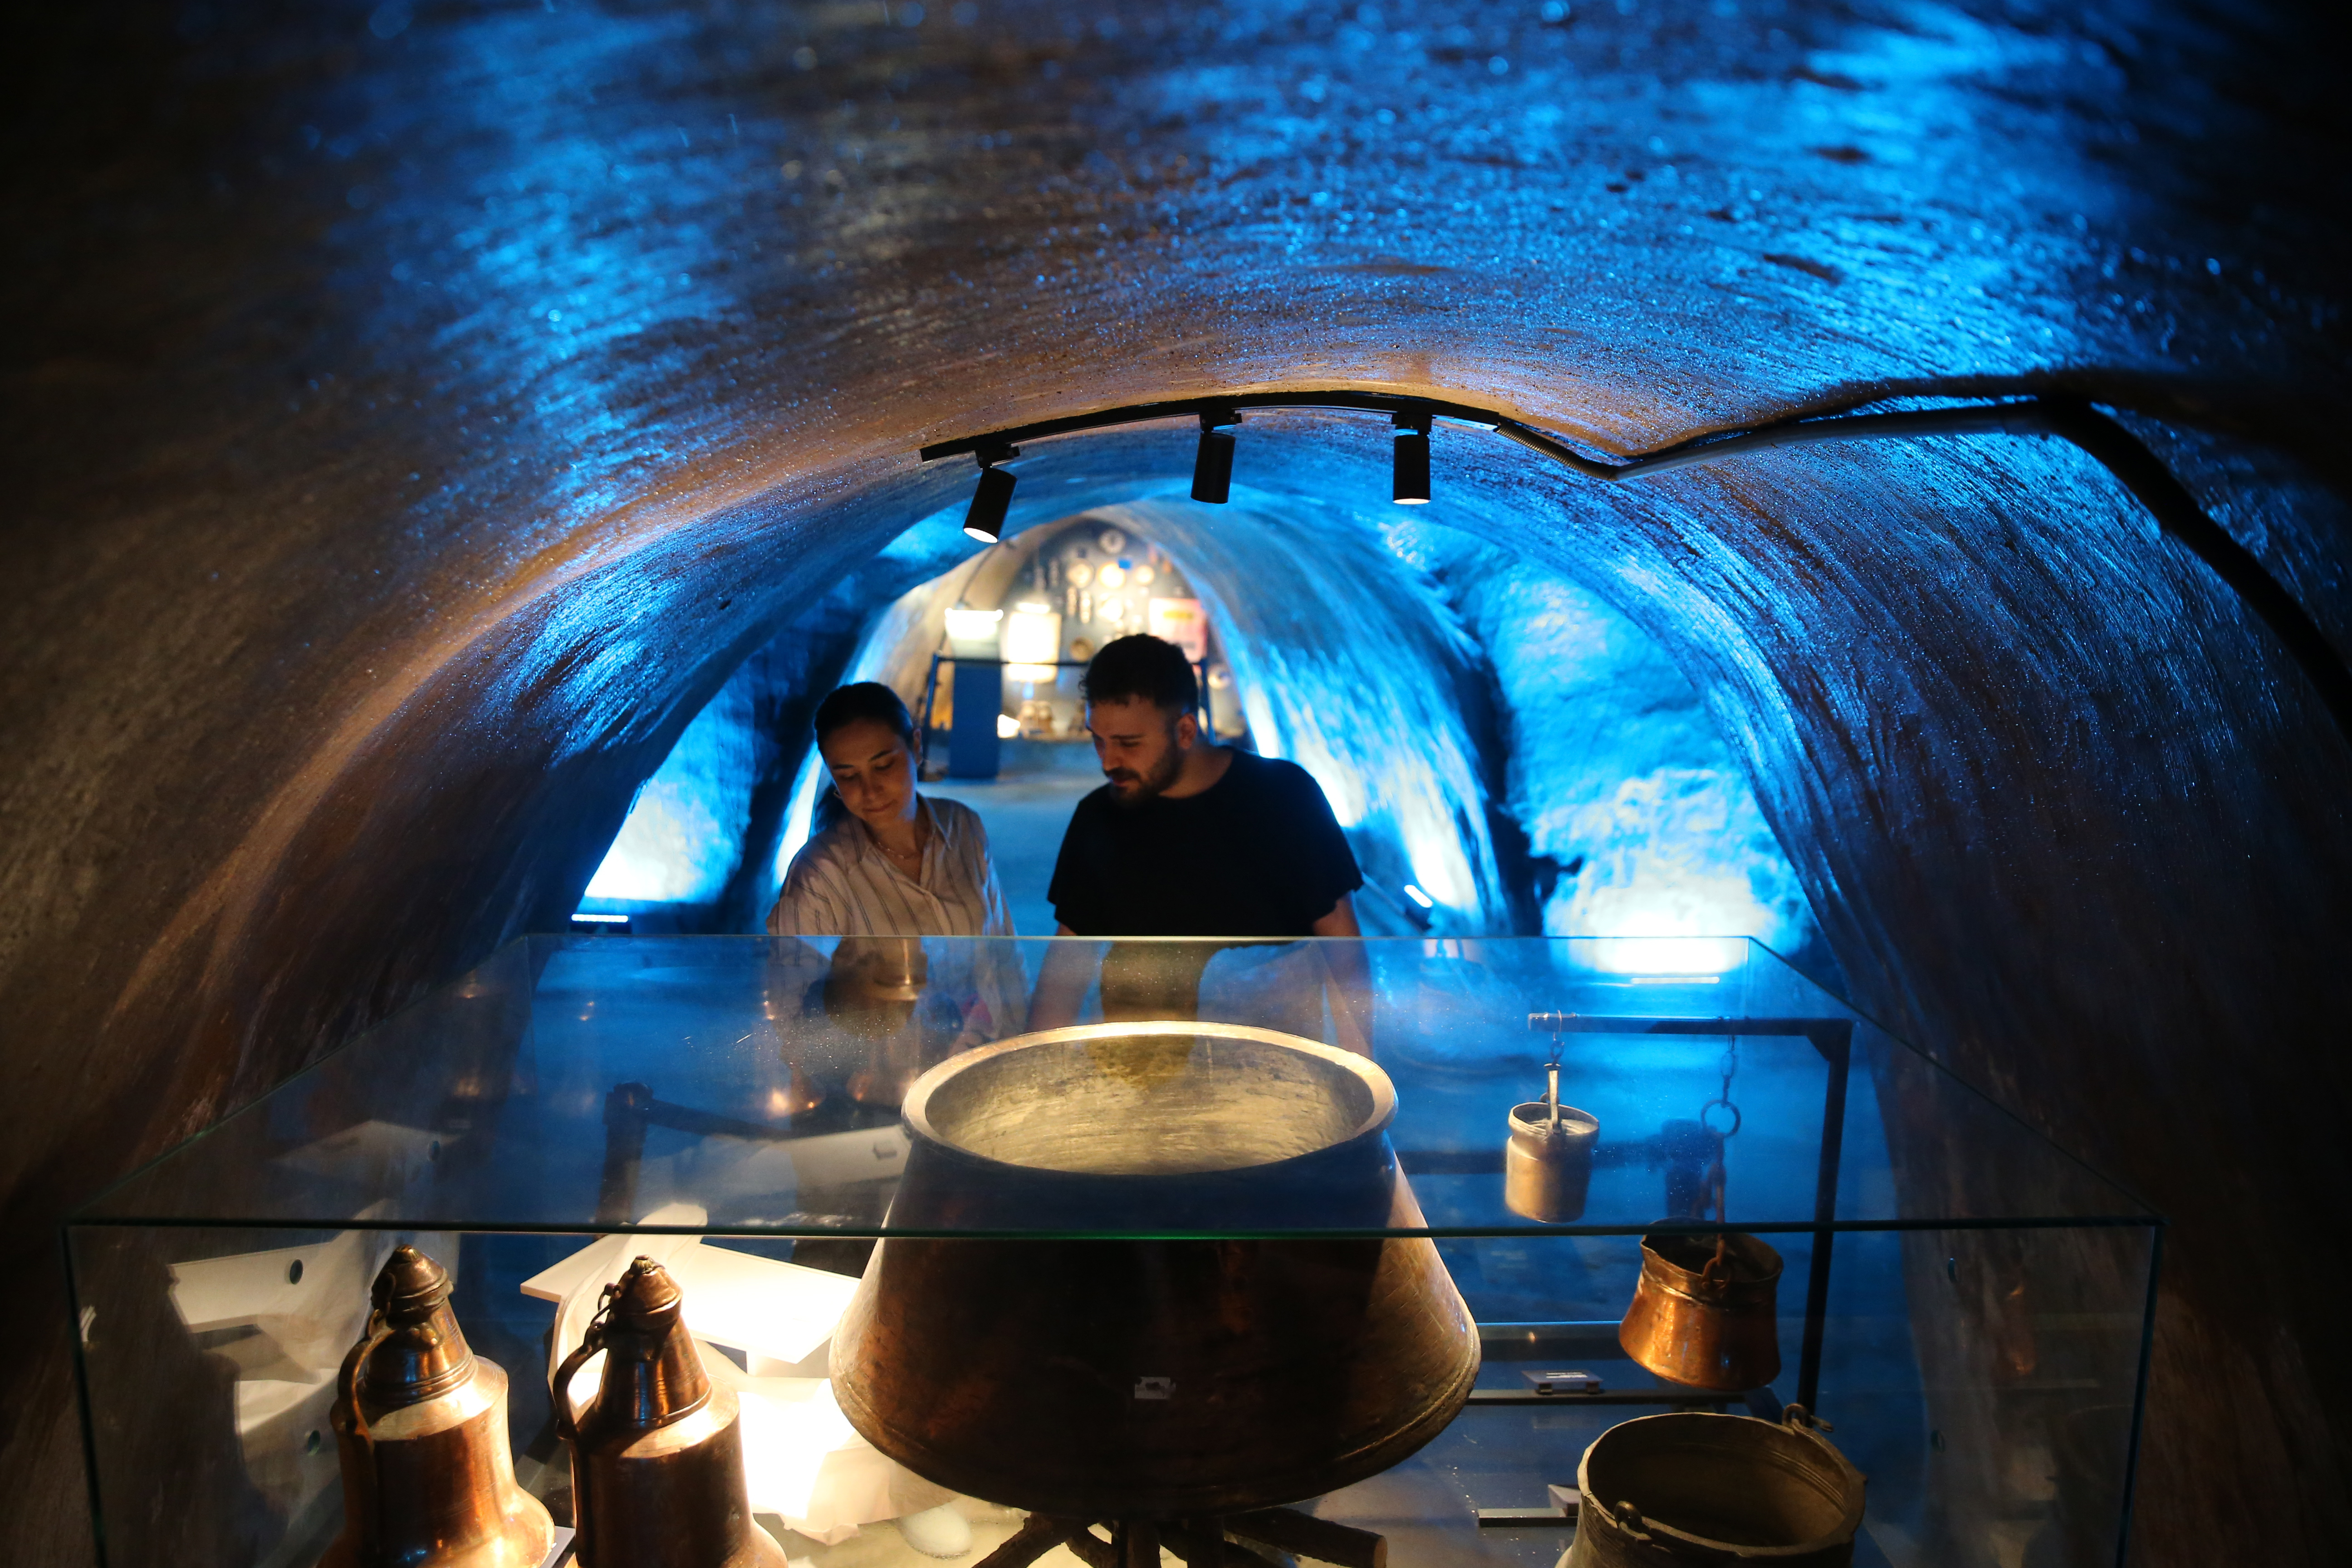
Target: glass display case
[(1121, 1252)]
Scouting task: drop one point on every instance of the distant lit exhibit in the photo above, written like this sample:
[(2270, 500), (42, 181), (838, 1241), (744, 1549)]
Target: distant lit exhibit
[(1324, 786)]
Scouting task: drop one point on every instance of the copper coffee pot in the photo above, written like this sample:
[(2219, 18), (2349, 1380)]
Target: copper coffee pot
[(657, 1456), (420, 1426)]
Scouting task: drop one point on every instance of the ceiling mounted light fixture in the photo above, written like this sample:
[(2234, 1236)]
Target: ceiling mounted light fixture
[(1411, 462), (984, 519), (1212, 465), (2127, 458)]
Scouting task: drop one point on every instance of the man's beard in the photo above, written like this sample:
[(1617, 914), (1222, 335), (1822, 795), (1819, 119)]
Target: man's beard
[(1132, 789)]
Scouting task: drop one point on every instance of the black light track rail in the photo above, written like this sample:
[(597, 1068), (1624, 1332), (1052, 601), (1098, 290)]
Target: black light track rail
[(2108, 443)]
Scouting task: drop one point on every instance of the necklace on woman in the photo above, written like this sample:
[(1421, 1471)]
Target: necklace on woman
[(909, 860)]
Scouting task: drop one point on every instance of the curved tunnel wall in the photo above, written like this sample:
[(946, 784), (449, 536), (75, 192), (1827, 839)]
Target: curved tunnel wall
[(410, 431)]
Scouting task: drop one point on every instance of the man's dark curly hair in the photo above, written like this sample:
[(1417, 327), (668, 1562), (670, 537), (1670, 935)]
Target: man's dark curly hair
[(1143, 667)]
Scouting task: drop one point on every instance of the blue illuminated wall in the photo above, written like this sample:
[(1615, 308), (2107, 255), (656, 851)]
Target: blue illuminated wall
[(697, 849), (1639, 819), (684, 834), (1488, 731)]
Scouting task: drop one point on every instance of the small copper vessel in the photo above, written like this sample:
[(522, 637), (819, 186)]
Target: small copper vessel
[(1703, 1310), (657, 1456), (1548, 1164), (420, 1426)]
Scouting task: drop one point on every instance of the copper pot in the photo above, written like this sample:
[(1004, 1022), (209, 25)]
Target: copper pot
[(1134, 1379), (1692, 1488), (420, 1426), (657, 1456), (1703, 1310)]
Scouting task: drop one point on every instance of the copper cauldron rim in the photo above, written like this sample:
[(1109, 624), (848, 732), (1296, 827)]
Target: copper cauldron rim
[(1680, 1278), (1571, 1120), (916, 1107)]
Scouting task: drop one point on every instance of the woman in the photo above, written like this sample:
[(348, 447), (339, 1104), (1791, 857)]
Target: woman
[(885, 861)]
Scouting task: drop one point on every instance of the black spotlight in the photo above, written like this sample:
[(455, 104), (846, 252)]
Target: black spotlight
[(985, 519), (1411, 459), (1212, 466)]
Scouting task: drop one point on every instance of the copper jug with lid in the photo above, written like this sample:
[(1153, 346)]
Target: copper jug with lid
[(420, 1426), (1703, 1310), (658, 1455)]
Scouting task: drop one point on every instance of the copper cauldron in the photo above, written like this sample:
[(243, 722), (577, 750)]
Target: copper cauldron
[(1714, 1490), (1703, 1310), (657, 1456), (420, 1426), (1143, 1379)]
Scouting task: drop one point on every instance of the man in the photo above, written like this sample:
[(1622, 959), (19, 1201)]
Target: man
[(1190, 839)]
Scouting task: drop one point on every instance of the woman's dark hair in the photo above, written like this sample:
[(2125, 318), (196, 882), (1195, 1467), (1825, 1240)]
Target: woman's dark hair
[(865, 699), (847, 705), (1146, 667)]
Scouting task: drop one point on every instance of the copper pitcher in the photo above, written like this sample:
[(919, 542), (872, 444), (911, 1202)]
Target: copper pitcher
[(657, 1456), (420, 1426), (1703, 1310)]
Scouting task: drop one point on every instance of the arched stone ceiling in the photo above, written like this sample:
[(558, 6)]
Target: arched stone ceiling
[(415, 411)]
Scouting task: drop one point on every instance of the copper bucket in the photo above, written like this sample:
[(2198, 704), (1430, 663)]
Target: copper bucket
[(657, 1456), (1693, 1488), (1703, 1310), (420, 1426), (1152, 1378)]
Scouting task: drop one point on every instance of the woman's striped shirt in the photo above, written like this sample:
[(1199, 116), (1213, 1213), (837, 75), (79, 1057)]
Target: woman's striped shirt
[(841, 884)]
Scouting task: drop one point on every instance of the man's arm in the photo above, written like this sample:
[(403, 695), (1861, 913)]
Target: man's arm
[(1349, 984), (1062, 981)]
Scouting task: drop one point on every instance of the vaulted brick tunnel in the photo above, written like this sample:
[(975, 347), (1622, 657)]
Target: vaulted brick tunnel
[(415, 412)]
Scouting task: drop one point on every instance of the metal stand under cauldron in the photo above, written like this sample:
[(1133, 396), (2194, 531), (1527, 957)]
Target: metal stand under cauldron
[(1221, 1543)]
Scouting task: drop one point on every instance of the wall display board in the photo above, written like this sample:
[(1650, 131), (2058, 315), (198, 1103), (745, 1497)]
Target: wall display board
[(1086, 585), (1182, 621), (1414, 1252)]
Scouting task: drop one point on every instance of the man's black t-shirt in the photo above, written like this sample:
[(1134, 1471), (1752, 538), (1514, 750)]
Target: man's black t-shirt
[(1257, 854)]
